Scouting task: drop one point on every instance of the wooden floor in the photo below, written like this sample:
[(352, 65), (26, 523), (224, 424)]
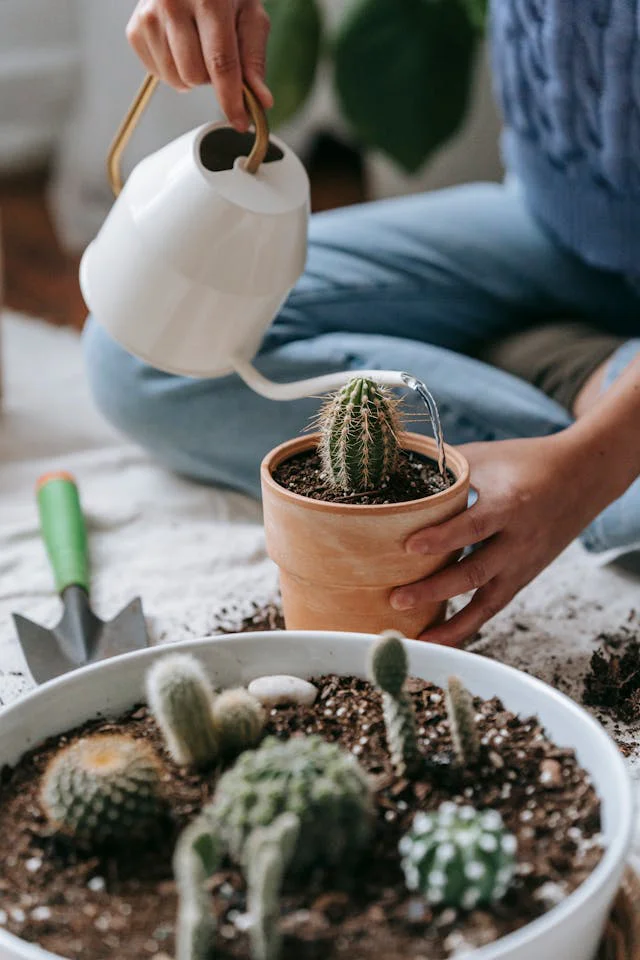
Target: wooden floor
[(42, 280)]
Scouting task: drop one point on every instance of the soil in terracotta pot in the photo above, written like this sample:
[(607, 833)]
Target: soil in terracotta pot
[(415, 478), (109, 906)]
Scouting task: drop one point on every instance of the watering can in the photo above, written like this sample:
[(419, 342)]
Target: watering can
[(201, 248)]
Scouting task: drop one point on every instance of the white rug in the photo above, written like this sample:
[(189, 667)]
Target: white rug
[(189, 550)]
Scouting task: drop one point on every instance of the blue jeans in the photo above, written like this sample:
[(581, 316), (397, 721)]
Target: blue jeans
[(418, 284)]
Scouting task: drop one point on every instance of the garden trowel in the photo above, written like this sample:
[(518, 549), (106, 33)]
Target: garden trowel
[(80, 637)]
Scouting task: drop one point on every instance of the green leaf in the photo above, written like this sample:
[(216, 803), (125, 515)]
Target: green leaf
[(403, 74), (292, 54), (477, 11)]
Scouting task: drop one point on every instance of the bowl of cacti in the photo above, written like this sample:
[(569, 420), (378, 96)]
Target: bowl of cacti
[(306, 796), (340, 505)]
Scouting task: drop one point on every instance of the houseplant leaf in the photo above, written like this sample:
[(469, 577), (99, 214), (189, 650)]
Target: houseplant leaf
[(477, 11), (403, 74), (292, 54)]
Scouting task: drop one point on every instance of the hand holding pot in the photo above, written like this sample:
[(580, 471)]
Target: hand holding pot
[(534, 497), (191, 42)]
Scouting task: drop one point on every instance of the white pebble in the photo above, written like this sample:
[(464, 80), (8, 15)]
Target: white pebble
[(3, 918), (278, 690), (96, 884), (18, 915), (41, 913), (243, 921), (33, 864)]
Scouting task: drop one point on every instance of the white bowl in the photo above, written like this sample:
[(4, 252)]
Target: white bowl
[(570, 931)]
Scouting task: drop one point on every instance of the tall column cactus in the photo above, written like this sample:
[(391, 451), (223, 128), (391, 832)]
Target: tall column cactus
[(181, 699), (268, 853), (462, 722), (388, 670), (359, 429), (197, 855)]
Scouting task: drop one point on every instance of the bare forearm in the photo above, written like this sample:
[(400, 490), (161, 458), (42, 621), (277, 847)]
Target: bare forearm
[(607, 437)]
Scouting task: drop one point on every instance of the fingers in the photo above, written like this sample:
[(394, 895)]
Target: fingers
[(253, 33), (486, 603), (471, 573), (147, 35), (219, 43), (184, 44), (480, 522)]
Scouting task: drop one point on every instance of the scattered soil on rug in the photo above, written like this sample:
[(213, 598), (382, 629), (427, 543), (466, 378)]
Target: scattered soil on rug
[(415, 478), (613, 680), (123, 906)]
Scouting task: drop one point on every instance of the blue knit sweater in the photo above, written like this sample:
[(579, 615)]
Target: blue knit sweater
[(568, 79)]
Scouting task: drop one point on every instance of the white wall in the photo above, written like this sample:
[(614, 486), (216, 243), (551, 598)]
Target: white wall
[(38, 70)]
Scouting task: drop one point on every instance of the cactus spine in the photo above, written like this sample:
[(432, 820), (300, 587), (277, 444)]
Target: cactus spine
[(388, 670), (103, 789), (268, 853), (461, 713), (359, 429), (196, 857), (181, 700), (238, 720), (458, 856), (320, 783)]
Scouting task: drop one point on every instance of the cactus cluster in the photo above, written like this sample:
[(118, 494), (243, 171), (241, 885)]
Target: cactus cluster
[(388, 669), (320, 783), (198, 727), (268, 853), (462, 722), (359, 428), (459, 857), (103, 789)]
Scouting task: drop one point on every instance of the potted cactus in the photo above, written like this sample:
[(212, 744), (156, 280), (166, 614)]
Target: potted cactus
[(339, 505), (366, 804)]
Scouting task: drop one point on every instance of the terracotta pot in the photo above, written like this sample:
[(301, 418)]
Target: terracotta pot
[(339, 562)]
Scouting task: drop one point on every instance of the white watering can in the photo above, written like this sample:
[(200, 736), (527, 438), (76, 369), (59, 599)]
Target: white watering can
[(200, 250)]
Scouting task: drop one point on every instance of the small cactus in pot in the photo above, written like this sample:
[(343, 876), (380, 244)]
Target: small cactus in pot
[(458, 856), (318, 782), (389, 669), (359, 428), (103, 789), (238, 721)]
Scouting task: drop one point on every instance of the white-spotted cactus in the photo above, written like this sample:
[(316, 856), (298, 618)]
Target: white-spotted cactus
[(104, 789), (238, 721), (462, 722), (318, 782), (359, 429), (388, 669), (181, 700), (268, 853), (459, 857), (196, 857)]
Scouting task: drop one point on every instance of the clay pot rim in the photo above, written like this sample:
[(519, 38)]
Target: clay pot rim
[(415, 442)]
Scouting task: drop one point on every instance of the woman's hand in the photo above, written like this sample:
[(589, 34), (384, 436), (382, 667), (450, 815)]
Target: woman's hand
[(190, 42), (534, 497)]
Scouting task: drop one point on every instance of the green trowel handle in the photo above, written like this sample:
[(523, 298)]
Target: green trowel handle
[(63, 529)]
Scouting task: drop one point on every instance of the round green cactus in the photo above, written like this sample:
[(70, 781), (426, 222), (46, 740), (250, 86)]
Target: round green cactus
[(238, 720), (103, 789), (181, 700), (320, 783), (458, 856), (359, 429)]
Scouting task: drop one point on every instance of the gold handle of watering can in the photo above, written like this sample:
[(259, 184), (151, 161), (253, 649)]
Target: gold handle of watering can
[(137, 108)]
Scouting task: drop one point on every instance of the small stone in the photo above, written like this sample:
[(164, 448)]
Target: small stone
[(551, 774), (41, 913), (33, 864), (550, 894), (242, 921), (151, 946), (3, 918), (102, 923), (17, 915), (278, 690), (96, 884), (227, 931)]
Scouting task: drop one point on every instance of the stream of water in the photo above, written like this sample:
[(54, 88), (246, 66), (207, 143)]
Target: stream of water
[(432, 410)]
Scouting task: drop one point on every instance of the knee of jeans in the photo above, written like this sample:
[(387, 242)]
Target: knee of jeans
[(116, 380)]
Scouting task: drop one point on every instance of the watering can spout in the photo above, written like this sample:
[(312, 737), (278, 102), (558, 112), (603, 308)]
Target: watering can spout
[(314, 386)]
